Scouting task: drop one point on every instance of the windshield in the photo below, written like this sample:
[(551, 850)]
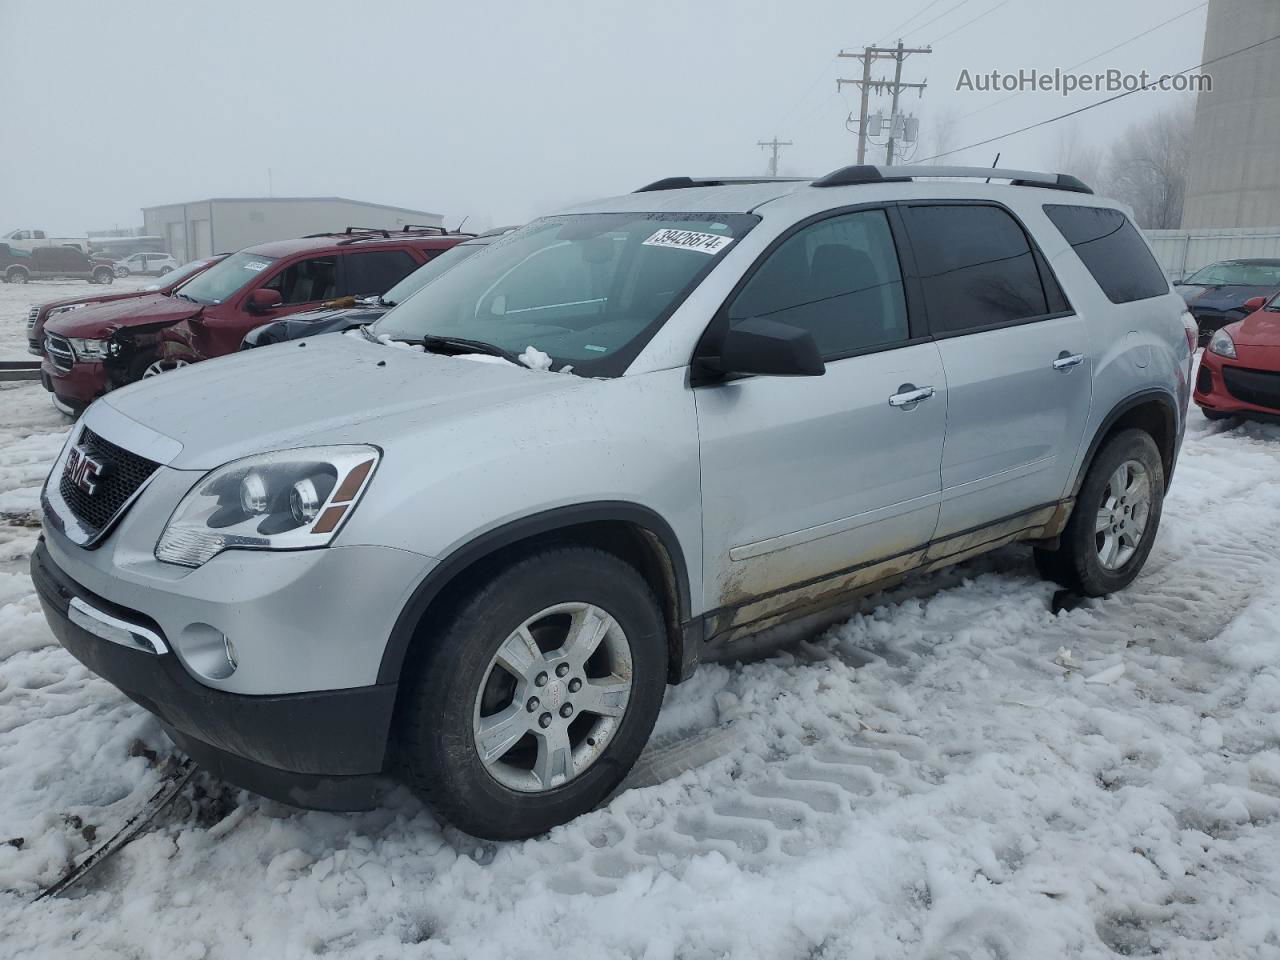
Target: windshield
[(588, 290), (178, 274), (1237, 275), (224, 279), (429, 271)]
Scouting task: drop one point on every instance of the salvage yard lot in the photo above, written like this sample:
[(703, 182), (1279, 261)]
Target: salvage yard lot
[(957, 773)]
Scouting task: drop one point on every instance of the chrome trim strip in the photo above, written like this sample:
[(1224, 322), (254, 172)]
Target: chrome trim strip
[(106, 627)]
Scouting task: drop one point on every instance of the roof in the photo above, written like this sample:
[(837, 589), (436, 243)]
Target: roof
[(339, 241), (360, 203)]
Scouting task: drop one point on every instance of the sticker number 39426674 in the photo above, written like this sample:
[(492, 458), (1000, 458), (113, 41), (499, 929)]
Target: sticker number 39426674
[(689, 240)]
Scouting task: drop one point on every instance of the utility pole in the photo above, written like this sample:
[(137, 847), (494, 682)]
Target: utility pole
[(775, 143), (866, 84)]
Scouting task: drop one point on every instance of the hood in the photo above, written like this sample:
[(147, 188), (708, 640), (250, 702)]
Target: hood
[(1259, 329), (333, 390), (100, 320), (311, 323), (1222, 298)]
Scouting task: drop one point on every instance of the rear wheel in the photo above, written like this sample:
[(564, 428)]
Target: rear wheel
[(1114, 523), (536, 696), (104, 275), (16, 275)]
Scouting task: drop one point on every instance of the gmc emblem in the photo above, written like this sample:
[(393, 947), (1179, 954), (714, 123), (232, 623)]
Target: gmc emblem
[(83, 470)]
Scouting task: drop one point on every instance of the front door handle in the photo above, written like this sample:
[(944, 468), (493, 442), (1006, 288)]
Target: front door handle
[(1066, 360), (909, 395)]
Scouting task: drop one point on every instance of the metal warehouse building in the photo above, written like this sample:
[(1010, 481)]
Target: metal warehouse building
[(1234, 175), (222, 224)]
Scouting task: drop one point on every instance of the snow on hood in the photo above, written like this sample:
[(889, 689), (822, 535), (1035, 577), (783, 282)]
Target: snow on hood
[(99, 320), (330, 390)]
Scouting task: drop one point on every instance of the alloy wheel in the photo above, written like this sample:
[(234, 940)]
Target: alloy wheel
[(157, 367), (553, 697), (1122, 515)]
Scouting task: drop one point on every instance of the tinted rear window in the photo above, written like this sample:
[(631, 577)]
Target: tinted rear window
[(1112, 250), (976, 265)]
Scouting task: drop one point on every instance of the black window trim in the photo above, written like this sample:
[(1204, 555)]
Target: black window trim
[(1038, 257), (913, 294)]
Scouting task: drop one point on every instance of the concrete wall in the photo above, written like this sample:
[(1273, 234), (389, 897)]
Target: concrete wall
[(217, 226), (1183, 252), (1234, 177)]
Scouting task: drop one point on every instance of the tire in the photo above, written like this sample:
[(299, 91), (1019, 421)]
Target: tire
[(1095, 562), (104, 275), (16, 275), (122, 272), (152, 366), (1216, 414), (164, 270), (455, 686)]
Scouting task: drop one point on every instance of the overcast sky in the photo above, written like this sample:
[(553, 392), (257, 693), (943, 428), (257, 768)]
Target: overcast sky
[(501, 111)]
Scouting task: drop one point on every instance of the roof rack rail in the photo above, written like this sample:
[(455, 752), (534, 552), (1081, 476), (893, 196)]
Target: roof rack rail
[(681, 183), (865, 173), (416, 227)]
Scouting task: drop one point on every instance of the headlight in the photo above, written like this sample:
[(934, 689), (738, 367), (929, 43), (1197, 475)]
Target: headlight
[(1223, 345), (67, 309), (289, 500), (90, 349)]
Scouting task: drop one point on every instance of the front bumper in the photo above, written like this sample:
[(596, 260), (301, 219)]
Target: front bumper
[(77, 387), (323, 750), (1254, 367)]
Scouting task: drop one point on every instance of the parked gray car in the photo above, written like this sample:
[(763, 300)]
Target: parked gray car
[(625, 439)]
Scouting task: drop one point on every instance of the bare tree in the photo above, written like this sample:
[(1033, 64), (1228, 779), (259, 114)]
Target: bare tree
[(944, 133), (1147, 167)]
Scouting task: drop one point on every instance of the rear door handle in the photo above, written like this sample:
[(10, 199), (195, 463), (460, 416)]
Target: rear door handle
[(909, 395), (1066, 360)]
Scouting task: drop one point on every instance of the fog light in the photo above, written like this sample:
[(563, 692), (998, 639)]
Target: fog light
[(206, 651)]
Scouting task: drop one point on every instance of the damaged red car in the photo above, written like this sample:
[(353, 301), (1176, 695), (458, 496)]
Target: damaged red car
[(101, 347)]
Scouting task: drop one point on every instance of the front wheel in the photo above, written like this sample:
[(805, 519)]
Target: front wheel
[(1114, 523), (532, 701), (122, 271), (145, 367)]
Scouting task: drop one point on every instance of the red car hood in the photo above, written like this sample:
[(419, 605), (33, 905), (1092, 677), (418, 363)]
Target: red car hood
[(100, 320), (1260, 329)]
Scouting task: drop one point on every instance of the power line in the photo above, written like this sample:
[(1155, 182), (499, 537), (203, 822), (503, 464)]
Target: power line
[(925, 9), (775, 144), (1100, 103), (1096, 56), (970, 22), (945, 13)]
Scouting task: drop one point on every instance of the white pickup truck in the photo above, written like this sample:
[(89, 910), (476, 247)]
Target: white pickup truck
[(28, 240)]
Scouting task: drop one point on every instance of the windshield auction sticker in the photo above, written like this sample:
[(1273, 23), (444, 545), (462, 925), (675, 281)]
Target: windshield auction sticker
[(689, 240), (256, 265)]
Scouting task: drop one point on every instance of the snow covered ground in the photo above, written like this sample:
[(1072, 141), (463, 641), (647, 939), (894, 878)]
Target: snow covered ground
[(959, 773)]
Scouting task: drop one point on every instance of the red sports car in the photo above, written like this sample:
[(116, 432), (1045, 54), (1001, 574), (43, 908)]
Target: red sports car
[(1240, 369)]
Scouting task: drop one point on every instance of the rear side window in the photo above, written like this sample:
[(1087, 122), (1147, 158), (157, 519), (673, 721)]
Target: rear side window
[(377, 271), (839, 279), (1112, 250), (976, 265)]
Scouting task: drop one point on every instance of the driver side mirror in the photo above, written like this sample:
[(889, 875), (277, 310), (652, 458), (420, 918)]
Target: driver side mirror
[(262, 300), (1257, 303), (767, 348)]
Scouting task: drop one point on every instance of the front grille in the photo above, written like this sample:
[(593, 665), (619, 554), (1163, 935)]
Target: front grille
[(32, 315), (1259, 387), (123, 474), (60, 353)]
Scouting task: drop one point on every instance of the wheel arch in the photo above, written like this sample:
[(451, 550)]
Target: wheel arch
[(1153, 411), (634, 533)]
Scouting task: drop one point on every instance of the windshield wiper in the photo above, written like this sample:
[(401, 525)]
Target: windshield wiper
[(463, 345), (367, 333), (183, 296)]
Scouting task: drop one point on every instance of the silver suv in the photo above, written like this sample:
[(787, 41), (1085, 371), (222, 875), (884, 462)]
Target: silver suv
[(621, 440)]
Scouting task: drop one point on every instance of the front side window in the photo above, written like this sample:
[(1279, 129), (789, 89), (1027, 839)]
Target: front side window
[(306, 281), (586, 289), (976, 266), (839, 279), (1112, 250), (225, 279)]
